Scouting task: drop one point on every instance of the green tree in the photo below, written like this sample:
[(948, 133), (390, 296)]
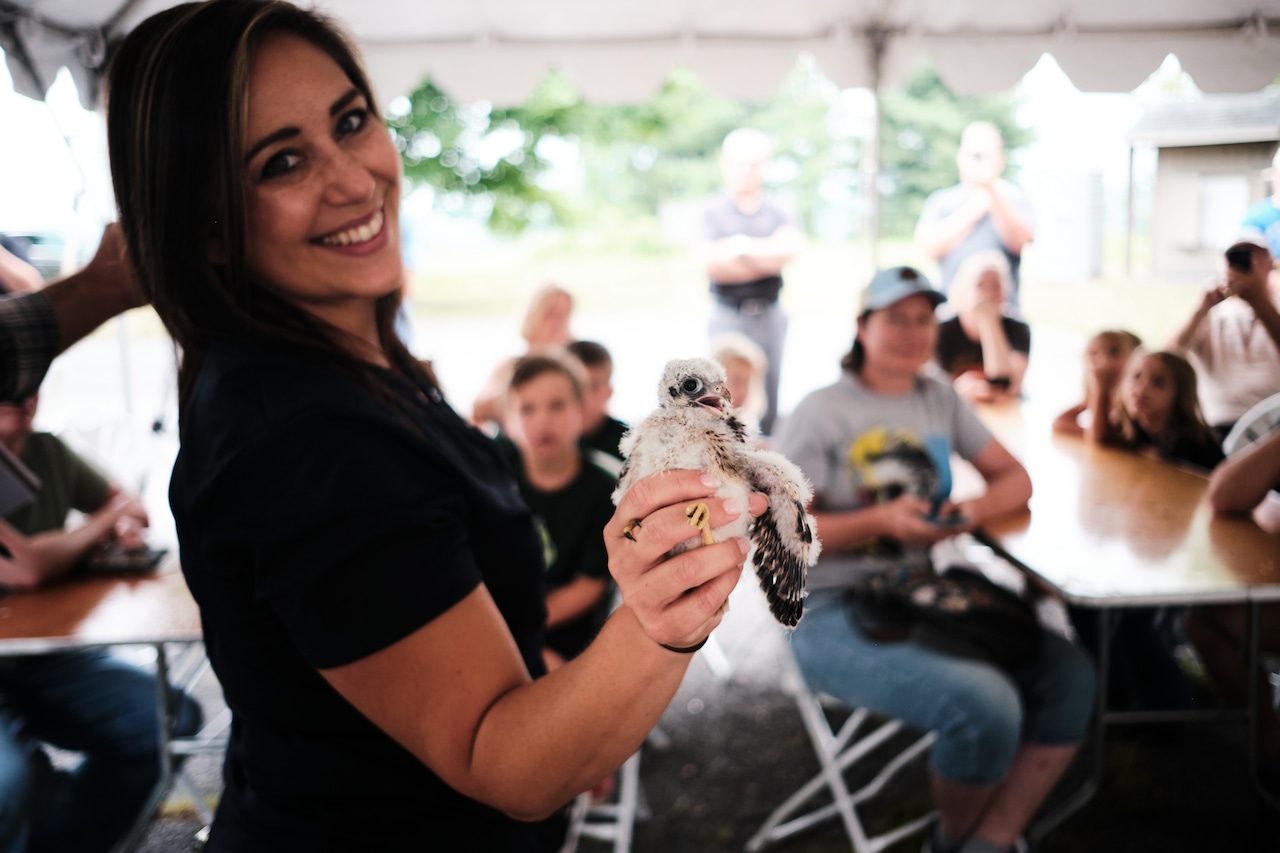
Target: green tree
[(635, 157), (482, 158)]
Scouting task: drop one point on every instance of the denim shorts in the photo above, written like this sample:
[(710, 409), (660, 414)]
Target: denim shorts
[(981, 713)]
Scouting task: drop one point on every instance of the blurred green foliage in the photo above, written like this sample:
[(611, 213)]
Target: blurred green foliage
[(504, 164)]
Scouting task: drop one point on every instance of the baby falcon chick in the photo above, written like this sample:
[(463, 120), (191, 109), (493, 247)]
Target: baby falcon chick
[(693, 428)]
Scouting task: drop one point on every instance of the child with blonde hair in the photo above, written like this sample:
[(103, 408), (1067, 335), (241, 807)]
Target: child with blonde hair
[(745, 364), (1104, 359), (983, 348), (1157, 412)]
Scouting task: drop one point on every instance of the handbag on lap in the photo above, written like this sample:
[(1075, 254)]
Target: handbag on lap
[(957, 611)]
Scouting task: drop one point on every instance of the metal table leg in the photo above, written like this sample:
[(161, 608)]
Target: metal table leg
[(131, 839), (1084, 794)]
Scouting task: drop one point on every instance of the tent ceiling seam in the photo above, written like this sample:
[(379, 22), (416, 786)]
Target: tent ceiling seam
[(1256, 25)]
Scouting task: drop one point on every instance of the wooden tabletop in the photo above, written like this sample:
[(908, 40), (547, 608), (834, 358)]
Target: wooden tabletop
[(105, 609), (1110, 527)]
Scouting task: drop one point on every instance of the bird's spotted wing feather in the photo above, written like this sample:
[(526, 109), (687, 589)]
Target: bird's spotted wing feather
[(783, 540)]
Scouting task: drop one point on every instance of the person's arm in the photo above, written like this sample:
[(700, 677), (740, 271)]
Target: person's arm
[(1008, 485), (574, 599), (1254, 289), (36, 560), (16, 275), (104, 288), (739, 259), (1100, 400), (1012, 227), (937, 236), (999, 358), (1184, 337), (35, 327), (456, 694), (131, 518), (489, 405), (1068, 422), (1242, 481), (904, 519)]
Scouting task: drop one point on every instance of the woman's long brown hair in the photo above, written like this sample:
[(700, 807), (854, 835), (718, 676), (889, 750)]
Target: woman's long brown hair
[(177, 104), (1185, 419)]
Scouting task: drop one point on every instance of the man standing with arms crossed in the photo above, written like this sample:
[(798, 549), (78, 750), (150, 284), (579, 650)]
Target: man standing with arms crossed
[(747, 241)]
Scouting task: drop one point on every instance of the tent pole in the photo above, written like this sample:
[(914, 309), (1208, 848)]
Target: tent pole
[(1128, 221), (878, 37)]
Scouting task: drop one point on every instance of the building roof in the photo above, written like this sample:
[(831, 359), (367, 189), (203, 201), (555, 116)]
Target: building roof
[(1212, 120)]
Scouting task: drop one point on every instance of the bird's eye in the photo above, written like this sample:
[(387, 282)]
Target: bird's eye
[(691, 386)]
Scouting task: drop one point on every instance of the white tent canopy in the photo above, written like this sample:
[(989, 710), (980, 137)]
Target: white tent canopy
[(622, 50)]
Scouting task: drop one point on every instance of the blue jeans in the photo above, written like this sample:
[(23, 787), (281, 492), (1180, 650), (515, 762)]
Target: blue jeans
[(768, 329), (88, 702), (982, 714)]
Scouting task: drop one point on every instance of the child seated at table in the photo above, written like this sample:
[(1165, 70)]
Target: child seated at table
[(982, 348), (1104, 359), (570, 498), (85, 701), (1156, 411)]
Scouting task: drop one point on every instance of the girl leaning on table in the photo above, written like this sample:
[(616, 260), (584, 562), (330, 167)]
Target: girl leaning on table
[(1145, 402), (877, 446), (368, 578), (1104, 359), (1152, 407)]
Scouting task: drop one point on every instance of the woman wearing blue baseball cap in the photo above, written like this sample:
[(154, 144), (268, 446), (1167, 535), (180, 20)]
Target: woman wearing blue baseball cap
[(877, 446)]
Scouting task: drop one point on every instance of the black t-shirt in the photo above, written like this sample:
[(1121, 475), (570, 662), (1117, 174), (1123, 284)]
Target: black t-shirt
[(1205, 453), (957, 353), (721, 219), (607, 436), (318, 526), (575, 517)]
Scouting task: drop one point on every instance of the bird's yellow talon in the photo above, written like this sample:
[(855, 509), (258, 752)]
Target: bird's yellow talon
[(700, 517)]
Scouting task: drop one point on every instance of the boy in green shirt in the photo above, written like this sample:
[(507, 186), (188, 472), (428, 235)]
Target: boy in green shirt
[(85, 701)]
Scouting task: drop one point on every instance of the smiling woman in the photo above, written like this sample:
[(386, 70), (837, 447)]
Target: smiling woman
[(368, 577), (323, 183)]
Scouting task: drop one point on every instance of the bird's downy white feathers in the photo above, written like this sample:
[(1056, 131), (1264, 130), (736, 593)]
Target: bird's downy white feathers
[(693, 428)]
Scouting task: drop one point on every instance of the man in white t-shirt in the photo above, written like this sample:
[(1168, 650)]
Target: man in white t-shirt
[(1233, 336)]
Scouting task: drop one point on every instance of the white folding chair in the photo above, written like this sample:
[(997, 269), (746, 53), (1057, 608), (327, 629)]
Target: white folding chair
[(613, 821), (837, 752)]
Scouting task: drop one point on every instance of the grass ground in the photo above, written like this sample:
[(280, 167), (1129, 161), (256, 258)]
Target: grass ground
[(470, 283), (824, 279)]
